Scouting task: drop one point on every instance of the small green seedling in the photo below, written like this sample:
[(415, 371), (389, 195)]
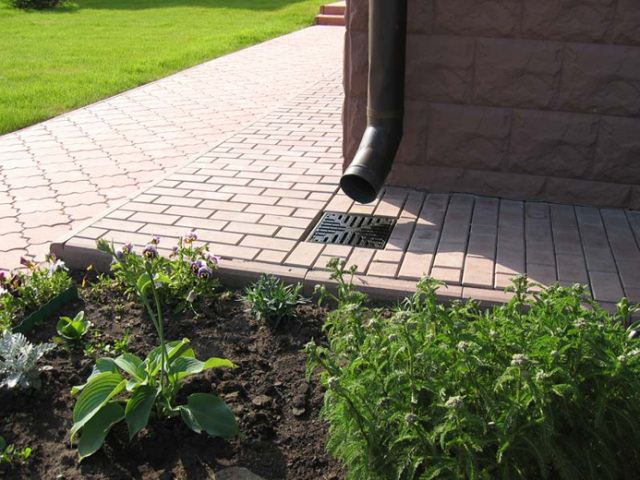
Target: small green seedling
[(73, 329), (9, 453)]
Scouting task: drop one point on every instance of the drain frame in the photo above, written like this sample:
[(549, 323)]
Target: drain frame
[(352, 236)]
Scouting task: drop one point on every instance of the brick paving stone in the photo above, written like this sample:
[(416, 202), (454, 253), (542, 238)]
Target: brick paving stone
[(255, 195), (89, 159)]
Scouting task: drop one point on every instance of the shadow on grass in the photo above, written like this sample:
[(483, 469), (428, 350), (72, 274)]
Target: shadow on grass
[(264, 5)]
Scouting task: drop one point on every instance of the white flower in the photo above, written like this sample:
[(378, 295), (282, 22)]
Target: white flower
[(57, 265), (580, 323), (463, 346), (541, 375), (519, 359), (454, 402)]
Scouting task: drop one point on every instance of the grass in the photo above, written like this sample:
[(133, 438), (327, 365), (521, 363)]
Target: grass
[(55, 61)]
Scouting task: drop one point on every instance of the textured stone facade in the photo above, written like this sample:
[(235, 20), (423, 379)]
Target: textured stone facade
[(528, 99)]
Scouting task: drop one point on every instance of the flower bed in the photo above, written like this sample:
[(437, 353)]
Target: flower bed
[(276, 408), (159, 372)]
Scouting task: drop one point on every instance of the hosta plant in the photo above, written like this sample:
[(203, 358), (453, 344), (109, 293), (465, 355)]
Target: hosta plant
[(19, 361), (73, 329), (271, 300), (545, 386), (23, 292), (187, 272), (132, 389)]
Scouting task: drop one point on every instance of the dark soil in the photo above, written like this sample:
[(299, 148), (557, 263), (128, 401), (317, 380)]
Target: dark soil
[(281, 437)]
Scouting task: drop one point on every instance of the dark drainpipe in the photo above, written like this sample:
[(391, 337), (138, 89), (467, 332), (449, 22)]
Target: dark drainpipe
[(364, 177)]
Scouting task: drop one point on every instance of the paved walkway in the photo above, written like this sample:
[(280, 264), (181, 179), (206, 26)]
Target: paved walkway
[(59, 173), (255, 196)]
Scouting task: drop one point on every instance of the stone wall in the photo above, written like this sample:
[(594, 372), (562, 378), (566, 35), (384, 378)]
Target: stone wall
[(528, 99)]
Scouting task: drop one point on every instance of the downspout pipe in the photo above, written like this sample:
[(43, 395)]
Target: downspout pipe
[(364, 177)]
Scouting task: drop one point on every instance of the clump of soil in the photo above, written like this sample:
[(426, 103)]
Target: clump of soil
[(281, 437)]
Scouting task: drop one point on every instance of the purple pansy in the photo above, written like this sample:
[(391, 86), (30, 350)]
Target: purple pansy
[(150, 251), (196, 266), (127, 248), (213, 259), (190, 237), (155, 240), (204, 272)]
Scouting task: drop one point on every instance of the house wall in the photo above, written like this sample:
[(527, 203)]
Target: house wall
[(528, 99)]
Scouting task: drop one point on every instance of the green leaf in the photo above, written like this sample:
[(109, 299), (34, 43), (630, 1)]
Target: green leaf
[(102, 365), (96, 429), (72, 328), (214, 362), (143, 283), (139, 408), (206, 412), (185, 366), (95, 395), (175, 349), (131, 364)]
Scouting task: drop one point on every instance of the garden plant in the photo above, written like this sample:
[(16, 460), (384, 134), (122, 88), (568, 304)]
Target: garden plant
[(73, 329), (21, 293), (132, 389), (545, 386), (271, 300), (9, 453), (187, 273), (19, 361)]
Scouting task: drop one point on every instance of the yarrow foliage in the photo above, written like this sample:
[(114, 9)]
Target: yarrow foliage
[(543, 387)]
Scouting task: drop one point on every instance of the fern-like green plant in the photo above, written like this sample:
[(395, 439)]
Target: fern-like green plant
[(545, 386)]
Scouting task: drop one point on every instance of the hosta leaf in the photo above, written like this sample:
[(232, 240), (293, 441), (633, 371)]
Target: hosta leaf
[(131, 364), (176, 348), (185, 366), (96, 429), (139, 408), (214, 362), (95, 395), (206, 412), (182, 348), (102, 365)]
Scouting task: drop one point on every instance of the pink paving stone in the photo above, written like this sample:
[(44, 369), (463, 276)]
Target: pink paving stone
[(12, 241), (40, 219), (478, 241), (45, 234), (146, 131), (10, 225), (11, 259)]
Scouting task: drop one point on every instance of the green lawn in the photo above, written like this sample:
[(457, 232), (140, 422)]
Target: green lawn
[(54, 61)]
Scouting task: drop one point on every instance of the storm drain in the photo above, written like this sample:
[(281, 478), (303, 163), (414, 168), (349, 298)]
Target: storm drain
[(367, 231)]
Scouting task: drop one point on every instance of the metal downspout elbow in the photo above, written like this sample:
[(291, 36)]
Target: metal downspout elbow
[(365, 175)]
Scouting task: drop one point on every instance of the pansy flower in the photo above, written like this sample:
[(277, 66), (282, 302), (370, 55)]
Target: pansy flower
[(150, 251), (204, 273)]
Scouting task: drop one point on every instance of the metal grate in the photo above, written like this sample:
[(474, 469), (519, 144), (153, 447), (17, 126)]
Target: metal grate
[(366, 231)]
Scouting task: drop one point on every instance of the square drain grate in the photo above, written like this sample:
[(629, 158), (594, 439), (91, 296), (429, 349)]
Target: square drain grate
[(367, 231)]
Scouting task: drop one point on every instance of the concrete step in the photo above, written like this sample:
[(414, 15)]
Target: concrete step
[(335, 20), (337, 8), (332, 14)]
